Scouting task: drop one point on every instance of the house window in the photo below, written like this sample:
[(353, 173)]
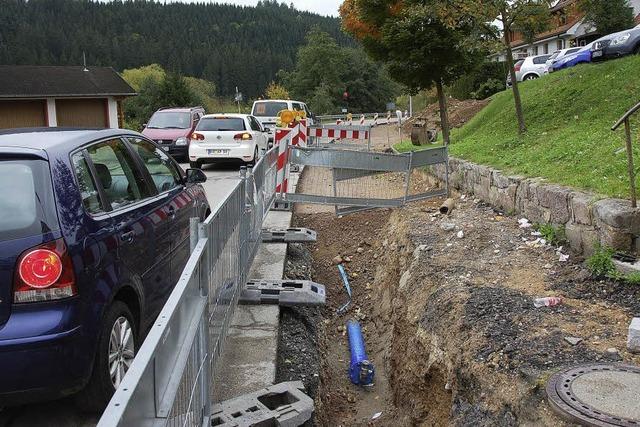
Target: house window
[(546, 48), (560, 44), (535, 50)]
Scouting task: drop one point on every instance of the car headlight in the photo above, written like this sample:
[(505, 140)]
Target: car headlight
[(621, 39), (182, 141)]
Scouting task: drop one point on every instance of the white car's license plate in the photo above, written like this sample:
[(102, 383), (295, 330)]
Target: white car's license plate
[(219, 152), (596, 54)]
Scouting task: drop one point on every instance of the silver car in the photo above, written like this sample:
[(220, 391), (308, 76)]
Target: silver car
[(558, 55), (529, 68)]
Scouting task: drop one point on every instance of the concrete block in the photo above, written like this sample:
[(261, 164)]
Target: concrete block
[(617, 214), (573, 233), (633, 341), (580, 205), (283, 404)]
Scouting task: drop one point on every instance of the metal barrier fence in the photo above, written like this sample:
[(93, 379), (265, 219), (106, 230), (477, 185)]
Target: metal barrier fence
[(170, 382)]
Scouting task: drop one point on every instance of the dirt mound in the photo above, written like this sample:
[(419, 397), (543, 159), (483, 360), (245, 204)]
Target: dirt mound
[(460, 112), (449, 319)]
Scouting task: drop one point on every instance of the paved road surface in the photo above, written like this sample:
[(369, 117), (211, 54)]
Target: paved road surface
[(63, 413)]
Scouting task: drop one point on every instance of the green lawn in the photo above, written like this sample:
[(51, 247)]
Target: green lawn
[(569, 141)]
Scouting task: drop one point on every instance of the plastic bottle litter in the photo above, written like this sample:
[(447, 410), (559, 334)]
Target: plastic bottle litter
[(547, 302)]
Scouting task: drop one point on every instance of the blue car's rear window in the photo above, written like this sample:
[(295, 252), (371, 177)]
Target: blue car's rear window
[(27, 206)]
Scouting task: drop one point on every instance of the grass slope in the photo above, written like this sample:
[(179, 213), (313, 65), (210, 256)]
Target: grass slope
[(569, 115)]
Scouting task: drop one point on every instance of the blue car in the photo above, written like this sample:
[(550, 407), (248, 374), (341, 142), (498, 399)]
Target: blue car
[(582, 56), (94, 234)]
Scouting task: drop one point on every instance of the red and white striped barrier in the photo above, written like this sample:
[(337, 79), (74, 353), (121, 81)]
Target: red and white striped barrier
[(332, 133), (282, 140), (299, 133), (362, 120)]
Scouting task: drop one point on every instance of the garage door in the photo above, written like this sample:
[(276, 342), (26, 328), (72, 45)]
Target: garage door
[(21, 114), (82, 112)]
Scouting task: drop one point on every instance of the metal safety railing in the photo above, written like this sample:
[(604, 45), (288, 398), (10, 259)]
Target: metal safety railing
[(626, 119), (170, 382)]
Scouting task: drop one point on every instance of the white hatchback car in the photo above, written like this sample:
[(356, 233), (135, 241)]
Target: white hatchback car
[(529, 68), (225, 137)]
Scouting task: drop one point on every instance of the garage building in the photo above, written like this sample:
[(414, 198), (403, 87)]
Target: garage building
[(65, 96)]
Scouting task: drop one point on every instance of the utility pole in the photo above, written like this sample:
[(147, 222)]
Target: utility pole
[(410, 106)]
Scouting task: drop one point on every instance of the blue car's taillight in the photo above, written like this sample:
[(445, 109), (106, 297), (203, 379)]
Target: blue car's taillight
[(44, 273)]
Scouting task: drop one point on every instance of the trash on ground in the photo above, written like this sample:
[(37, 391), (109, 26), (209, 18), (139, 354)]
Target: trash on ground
[(524, 223), (460, 234), (376, 415), (547, 302)]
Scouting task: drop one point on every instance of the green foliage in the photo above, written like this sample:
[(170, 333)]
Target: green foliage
[(600, 264), (158, 89), (276, 91), (553, 235), (481, 82), (324, 71), (569, 140), (226, 44), (488, 88), (608, 16), (633, 279)]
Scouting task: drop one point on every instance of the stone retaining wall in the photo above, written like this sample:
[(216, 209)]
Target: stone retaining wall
[(587, 218)]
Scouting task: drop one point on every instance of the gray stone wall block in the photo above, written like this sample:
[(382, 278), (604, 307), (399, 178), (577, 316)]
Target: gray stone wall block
[(556, 199), (633, 339), (580, 205), (615, 238), (618, 214)]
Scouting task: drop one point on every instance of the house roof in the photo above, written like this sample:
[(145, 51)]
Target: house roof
[(36, 81), (561, 4)]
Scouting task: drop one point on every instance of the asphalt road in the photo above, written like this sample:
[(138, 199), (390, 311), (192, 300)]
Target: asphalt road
[(221, 179)]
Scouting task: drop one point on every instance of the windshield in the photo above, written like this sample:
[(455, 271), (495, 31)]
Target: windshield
[(170, 120), (27, 207), (554, 56), (268, 108), (221, 124)]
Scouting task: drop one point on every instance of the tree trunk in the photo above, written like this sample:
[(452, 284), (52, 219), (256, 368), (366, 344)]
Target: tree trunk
[(444, 114), (522, 127)]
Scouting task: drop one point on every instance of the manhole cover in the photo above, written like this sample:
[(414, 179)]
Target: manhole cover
[(597, 395)]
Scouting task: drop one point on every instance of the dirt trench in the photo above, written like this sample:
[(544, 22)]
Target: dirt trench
[(448, 317)]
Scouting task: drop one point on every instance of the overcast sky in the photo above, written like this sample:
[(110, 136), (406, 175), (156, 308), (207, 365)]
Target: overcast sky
[(323, 7)]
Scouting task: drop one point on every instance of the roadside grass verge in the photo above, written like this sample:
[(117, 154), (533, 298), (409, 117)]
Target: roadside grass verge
[(569, 141)]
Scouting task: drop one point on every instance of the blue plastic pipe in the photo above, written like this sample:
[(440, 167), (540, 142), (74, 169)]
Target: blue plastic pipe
[(361, 370)]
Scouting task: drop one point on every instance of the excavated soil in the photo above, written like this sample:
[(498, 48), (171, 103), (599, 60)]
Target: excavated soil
[(449, 319)]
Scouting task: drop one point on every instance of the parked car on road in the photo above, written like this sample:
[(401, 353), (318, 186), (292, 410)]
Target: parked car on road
[(228, 137), (94, 234), (171, 128), (529, 68), (267, 111), (582, 56), (556, 56), (616, 45)]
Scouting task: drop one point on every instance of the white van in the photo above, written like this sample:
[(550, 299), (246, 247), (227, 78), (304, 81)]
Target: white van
[(266, 111)]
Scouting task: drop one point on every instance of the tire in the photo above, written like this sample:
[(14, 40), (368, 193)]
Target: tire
[(96, 396), (255, 157), (530, 77), (195, 165), (636, 51)]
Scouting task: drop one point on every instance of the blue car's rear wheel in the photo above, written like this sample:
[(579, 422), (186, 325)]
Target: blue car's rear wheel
[(116, 348)]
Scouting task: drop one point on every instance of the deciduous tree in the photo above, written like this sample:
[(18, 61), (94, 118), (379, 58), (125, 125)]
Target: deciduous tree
[(417, 41), (608, 16)]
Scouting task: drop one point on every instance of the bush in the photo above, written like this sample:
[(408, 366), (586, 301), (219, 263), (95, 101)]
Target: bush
[(553, 235), (488, 88), (600, 264), (488, 78)]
